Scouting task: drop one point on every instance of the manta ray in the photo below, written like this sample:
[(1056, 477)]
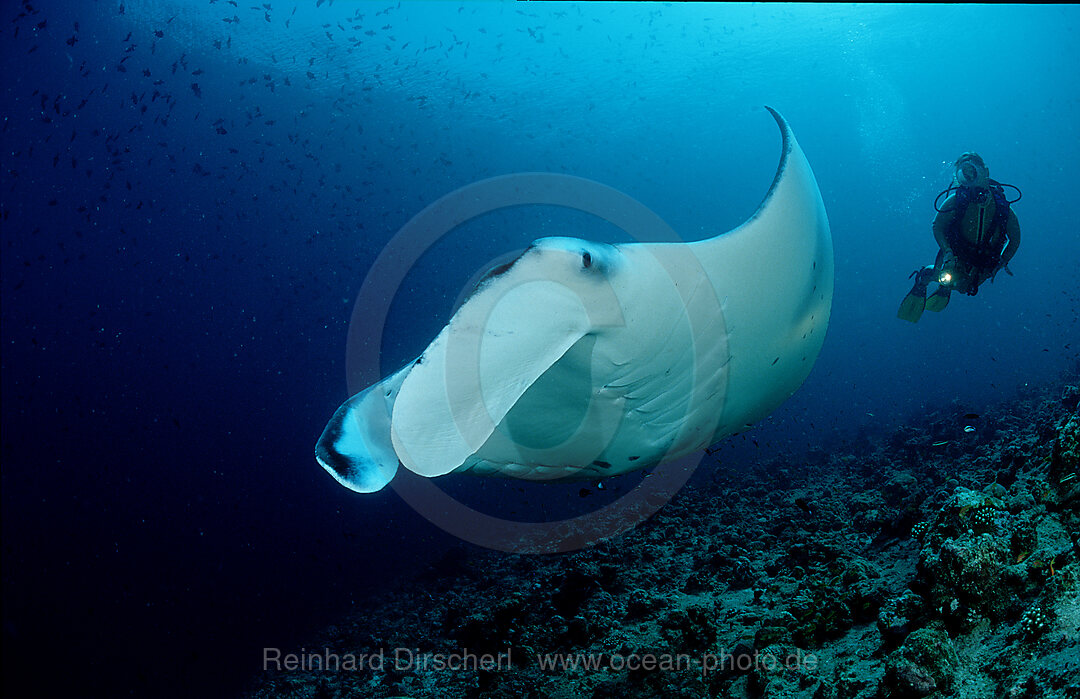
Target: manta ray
[(583, 360)]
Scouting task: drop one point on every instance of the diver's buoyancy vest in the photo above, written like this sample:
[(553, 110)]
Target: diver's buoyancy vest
[(978, 232)]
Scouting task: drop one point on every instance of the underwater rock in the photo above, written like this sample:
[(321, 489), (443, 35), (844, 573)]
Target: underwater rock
[(784, 670), (1070, 397), (973, 559), (775, 629), (642, 603), (1064, 472), (969, 574), (926, 663), (693, 628), (898, 616), (699, 581)]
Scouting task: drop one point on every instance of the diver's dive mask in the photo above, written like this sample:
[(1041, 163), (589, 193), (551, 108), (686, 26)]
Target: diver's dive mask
[(971, 171), (966, 174)]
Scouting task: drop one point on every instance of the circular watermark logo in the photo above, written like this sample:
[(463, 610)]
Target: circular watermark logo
[(706, 337)]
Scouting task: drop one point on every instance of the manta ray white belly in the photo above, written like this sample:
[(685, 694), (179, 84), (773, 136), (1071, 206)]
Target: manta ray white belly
[(584, 360)]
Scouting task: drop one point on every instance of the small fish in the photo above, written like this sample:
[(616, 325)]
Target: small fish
[(940, 444)]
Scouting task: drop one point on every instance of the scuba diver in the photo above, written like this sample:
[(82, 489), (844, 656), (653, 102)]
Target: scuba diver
[(977, 234)]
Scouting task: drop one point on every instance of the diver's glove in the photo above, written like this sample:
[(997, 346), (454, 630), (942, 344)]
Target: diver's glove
[(998, 269)]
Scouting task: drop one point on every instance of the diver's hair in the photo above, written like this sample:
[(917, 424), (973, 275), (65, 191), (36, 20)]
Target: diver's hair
[(973, 157)]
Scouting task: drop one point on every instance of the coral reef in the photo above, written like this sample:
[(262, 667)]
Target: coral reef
[(923, 565)]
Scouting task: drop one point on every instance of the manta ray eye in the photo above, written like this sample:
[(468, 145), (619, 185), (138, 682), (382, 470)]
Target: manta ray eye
[(586, 260)]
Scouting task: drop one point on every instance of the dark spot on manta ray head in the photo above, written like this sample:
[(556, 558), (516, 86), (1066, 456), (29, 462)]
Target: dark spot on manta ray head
[(586, 259)]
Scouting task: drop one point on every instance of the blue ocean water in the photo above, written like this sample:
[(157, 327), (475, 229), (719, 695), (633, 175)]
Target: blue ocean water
[(192, 194)]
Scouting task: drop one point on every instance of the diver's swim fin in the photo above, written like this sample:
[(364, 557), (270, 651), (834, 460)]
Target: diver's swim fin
[(938, 300), (911, 308)]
